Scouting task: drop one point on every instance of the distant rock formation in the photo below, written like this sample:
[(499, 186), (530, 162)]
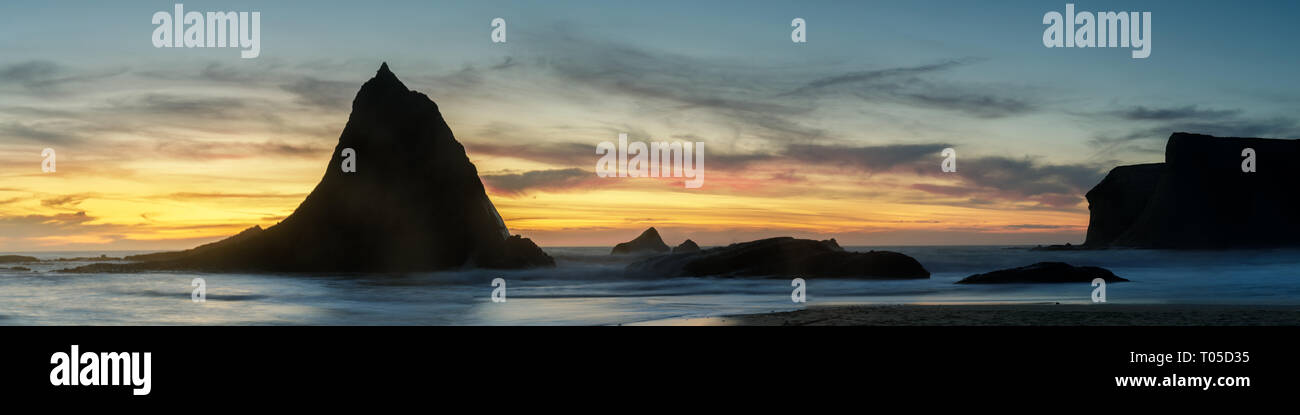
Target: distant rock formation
[(1067, 247), (101, 257), (9, 259), (686, 247), (648, 243), (833, 245), (782, 257), (414, 203), (1043, 272), (1199, 197)]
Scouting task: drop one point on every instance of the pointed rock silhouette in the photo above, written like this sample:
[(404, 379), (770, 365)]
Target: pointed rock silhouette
[(415, 202), (686, 247), (648, 242)]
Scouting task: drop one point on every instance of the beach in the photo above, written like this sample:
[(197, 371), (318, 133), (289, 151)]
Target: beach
[(1021, 315)]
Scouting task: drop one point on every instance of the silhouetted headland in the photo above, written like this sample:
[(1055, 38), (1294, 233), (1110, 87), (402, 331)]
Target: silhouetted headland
[(413, 203), (1200, 197)]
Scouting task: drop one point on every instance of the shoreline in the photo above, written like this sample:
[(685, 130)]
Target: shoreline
[(1037, 314)]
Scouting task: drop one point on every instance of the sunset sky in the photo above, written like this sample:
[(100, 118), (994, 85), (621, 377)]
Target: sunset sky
[(839, 137)]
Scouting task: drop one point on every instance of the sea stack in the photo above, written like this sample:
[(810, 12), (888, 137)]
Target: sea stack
[(1200, 197), (648, 243), (782, 257), (413, 203), (685, 247)]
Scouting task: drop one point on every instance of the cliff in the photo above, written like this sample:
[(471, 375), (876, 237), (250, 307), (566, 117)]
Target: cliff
[(1200, 198)]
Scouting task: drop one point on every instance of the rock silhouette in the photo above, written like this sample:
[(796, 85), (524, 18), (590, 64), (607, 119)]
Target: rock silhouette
[(833, 244), (782, 257), (1200, 198), (1043, 272), (686, 247), (5, 259), (647, 243), (414, 203)]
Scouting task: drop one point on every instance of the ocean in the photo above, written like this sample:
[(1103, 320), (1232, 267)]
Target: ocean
[(588, 288)]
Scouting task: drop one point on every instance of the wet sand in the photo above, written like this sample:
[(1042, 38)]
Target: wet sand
[(1015, 315)]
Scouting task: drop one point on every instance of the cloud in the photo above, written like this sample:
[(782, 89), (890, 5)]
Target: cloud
[(507, 63), (47, 78), (664, 84), (871, 76), (45, 133), (1149, 127), (76, 230), (1141, 113), (517, 184), (909, 85), (871, 159), (1027, 177), (29, 72), (333, 95), (41, 225), (66, 201), (220, 72), (987, 178), (227, 150), (944, 190), (982, 106), (189, 106), (564, 153), (219, 195)]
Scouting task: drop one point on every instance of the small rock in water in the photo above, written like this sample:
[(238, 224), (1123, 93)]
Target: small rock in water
[(1043, 272)]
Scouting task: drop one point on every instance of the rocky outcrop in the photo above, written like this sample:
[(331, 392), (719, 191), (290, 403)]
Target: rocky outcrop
[(831, 243), (648, 242), (9, 259), (1200, 198), (1117, 202), (686, 247), (521, 252), (413, 203), (240, 237), (1043, 272), (783, 257)]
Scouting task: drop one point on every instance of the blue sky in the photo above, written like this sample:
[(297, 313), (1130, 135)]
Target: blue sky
[(876, 77)]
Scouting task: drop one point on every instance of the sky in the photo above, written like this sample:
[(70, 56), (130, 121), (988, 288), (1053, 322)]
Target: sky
[(168, 148)]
